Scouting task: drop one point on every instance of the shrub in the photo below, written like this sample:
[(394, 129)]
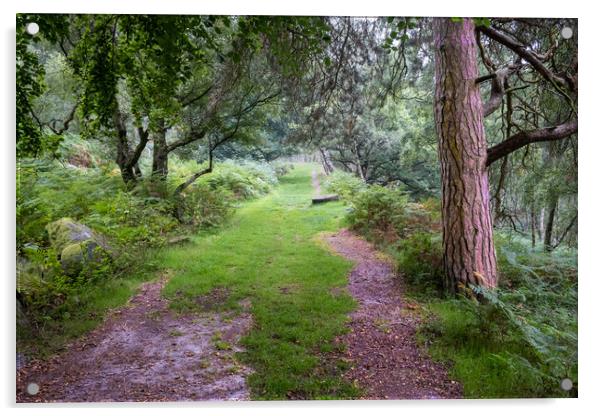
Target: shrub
[(344, 184), (282, 168), (379, 213), (521, 337), (420, 258), (205, 206), (244, 179)]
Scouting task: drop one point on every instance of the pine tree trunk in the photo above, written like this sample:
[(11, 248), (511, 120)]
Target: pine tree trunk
[(469, 253)]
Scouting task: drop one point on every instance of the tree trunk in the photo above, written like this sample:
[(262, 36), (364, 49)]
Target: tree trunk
[(468, 250), (326, 163), (123, 150), (542, 226), (499, 191), (160, 154), (533, 222), (547, 239)]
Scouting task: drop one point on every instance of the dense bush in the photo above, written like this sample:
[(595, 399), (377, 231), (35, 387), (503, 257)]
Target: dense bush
[(46, 191), (245, 181), (420, 259), (206, 206), (282, 168), (379, 213), (344, 184)]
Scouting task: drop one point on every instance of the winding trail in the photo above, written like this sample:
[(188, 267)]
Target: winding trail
[(145, 352), (381, 345)]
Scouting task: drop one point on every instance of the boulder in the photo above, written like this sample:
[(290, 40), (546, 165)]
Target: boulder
[(77, 245), (76, 255)]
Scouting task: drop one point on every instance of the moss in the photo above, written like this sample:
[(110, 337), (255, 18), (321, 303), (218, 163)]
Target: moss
[(65, 232), (75, 256)]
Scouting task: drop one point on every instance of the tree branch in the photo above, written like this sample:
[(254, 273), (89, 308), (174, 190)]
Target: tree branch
[(498, 82), (143, 140), (194, 136), (526, 54), (198, 97), (524, 138), (566, 231)]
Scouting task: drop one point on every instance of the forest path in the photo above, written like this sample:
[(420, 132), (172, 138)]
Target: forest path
[(381, 345), (145, 352), (315, 182)]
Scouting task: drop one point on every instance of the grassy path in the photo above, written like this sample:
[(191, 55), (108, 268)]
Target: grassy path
[(270, 259)]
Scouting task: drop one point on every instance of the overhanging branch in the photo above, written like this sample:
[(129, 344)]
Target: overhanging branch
[(527, 137)]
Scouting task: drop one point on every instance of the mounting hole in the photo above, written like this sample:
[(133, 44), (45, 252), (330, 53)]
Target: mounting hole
[(566, 32), (33, 389), (32, 28), (566, 384)]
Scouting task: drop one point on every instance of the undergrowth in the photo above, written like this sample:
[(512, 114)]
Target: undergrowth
[(136, 223)]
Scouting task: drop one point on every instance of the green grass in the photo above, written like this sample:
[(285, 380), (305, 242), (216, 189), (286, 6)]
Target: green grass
[(268, 255), (490, 359)]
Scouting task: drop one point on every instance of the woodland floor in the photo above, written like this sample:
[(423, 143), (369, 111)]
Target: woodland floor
[(264, 309)]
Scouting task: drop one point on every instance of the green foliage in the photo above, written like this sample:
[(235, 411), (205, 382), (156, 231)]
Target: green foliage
[(205, 206), (291, 53), (31, 140), (344, 184), (211, 199), (517, 341), (379, 213), (420, 260), (282, 168), (131, 221), (47, 192)]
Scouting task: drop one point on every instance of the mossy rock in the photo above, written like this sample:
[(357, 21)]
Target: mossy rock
[(85, 253), (66, 231), (77, 244)]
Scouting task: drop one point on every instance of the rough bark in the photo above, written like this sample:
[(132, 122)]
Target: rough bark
[(126, 159), (469, 253)]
